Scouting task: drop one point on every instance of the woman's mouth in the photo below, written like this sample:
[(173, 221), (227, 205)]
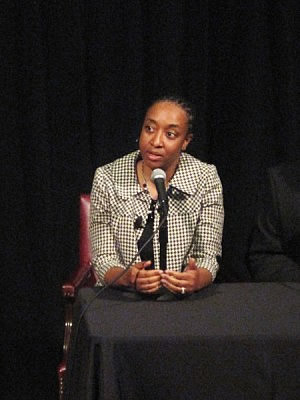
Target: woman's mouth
[(153, 156)]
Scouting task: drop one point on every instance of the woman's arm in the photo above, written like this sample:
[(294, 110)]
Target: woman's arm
[(105, 259), (207, 241), (104, 255), (206, 249)]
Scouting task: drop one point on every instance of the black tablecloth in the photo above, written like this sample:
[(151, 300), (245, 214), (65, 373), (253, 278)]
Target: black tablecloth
[(229, 341)]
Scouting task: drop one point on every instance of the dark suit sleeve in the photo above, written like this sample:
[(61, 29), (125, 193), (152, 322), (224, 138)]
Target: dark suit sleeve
[(268, 258)]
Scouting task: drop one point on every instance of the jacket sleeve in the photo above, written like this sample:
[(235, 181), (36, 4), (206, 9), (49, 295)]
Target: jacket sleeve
[(267, 257), (207, 243), (104, 254)]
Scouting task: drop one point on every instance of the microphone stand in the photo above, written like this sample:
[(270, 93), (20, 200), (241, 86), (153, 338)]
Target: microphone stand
[(163, 240)]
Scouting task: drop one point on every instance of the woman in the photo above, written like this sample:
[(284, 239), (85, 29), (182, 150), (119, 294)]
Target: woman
[(124, 210)]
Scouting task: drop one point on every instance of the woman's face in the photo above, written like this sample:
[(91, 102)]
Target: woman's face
[(164, 135)]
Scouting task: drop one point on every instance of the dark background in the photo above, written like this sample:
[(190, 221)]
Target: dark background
[(76, 76)]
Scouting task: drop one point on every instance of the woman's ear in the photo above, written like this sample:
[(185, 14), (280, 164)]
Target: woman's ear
[(186, 142)]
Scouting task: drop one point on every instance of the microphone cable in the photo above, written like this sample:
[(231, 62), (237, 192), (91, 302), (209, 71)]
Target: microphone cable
[(100, 291)]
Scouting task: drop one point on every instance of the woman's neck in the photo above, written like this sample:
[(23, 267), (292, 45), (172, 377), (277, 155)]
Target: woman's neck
[(144, 178), (147, 172)]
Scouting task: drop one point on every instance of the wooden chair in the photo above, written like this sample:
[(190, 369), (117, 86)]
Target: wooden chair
[(84, 276)]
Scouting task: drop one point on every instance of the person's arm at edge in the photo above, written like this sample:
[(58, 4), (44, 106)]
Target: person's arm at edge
[(266, 258)]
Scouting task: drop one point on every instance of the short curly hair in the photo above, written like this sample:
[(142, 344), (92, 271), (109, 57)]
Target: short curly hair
[(181, 102)]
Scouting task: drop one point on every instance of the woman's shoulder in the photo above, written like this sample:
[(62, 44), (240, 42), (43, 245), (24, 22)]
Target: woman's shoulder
[(121, 166), (118, 176), (193, 174), (191, 162)]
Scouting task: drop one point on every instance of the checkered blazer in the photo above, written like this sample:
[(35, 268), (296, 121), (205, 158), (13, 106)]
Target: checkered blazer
[(195, 217)]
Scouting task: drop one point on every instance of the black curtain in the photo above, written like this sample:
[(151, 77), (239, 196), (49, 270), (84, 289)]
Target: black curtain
[(76, 77)]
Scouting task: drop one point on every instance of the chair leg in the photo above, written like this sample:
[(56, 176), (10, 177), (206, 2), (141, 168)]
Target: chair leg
[(62, 366), (61, 388)]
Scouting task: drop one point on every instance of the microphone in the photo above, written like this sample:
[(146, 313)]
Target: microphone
[(158, 176), (138, 223)]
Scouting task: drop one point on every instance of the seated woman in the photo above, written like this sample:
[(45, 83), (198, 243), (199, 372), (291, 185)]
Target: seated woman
[(125, 211)]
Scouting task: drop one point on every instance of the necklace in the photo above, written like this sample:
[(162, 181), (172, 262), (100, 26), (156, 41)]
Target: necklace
[(145, 184)]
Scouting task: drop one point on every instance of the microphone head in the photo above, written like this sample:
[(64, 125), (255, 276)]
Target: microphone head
[(158, 173)]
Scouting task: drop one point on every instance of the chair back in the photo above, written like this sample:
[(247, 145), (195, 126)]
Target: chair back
[(85, 255), (83, 276)]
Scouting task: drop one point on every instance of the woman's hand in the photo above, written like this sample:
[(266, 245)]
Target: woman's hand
[(189, 281), (131, 275), (127, 279), (148, 281), (145, 281)]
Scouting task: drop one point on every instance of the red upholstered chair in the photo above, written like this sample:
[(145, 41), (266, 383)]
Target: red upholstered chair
[(84, 276)]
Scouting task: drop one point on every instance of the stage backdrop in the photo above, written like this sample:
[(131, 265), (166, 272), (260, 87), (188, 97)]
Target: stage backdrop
[(76, 76)]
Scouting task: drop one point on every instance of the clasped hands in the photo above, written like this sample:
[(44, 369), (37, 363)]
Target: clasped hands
[(150, 281)]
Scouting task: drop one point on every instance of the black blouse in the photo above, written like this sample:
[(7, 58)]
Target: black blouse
[(147, 252)]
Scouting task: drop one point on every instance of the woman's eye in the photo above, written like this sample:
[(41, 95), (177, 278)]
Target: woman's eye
[(171, 134), (149, 128)]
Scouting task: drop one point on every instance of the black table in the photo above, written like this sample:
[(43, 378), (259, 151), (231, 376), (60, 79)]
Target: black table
[(229, 341)]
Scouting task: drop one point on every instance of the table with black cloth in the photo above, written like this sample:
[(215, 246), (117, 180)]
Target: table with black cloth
[(228, 341)]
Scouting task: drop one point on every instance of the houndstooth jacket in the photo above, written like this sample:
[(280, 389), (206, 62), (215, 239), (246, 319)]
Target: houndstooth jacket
[(195, 217)]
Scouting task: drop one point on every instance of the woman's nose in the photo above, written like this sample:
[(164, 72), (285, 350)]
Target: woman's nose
[(157, 139)]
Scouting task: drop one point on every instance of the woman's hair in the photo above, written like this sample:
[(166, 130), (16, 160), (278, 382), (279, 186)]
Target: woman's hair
[(182, 103)]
